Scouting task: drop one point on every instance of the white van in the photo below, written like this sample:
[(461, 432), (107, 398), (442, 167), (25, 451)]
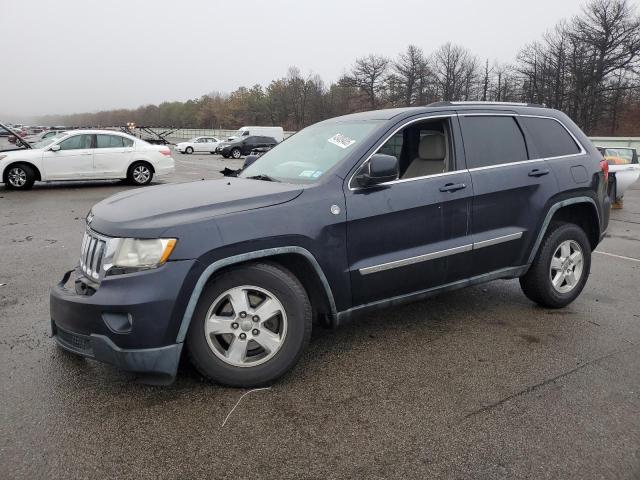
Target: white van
[(274, 132)]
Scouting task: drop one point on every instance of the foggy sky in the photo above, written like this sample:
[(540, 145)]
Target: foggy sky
[(71, 56)]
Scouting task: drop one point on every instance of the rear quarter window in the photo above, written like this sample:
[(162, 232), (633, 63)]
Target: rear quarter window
[(492, 140), (550, 138)]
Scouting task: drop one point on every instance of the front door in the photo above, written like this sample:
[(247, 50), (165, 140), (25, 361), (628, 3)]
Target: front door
[(74, 160), (511, 190), (411, 234)]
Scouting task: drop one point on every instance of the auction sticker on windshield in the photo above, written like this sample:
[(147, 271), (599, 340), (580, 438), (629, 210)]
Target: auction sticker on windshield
[(341, 141)]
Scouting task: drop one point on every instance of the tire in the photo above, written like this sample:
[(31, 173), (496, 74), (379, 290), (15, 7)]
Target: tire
[(213, 354), (225, 155), (140, 173), (19, 177), (188, 150), (236, 153), (537, 283)]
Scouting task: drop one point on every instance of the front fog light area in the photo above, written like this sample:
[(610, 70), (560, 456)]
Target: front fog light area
[(141, 253)]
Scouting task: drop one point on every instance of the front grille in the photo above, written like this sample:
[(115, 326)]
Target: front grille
[(73, 341), (91, 255)]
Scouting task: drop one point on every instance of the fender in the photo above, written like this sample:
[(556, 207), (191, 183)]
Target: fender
[(554, 208), (243, 257)]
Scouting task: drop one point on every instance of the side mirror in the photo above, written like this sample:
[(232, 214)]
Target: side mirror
[(379, 169), (55, 148)]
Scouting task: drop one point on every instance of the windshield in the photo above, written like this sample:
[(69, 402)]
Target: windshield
[(48, 141), (310, 153)]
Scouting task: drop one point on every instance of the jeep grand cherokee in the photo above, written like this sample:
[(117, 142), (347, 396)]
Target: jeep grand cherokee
[(351, 214)]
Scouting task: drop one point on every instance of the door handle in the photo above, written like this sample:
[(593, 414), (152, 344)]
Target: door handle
[(452, 187), (538, 173)]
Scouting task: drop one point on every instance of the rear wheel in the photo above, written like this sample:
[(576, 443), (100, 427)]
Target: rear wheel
[(561, 268), (20, 177), (188, 150), (250, 326), (140, 173)]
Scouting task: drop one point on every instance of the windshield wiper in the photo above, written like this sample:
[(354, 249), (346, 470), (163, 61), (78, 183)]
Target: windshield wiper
[(263, 177)]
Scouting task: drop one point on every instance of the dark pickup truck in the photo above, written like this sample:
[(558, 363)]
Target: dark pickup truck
[(349, 215)]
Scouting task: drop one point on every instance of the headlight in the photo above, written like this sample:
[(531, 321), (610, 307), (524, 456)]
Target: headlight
[(138, 254)]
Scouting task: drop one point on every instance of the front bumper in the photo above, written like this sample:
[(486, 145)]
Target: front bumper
[(157, 365), (130, 321)]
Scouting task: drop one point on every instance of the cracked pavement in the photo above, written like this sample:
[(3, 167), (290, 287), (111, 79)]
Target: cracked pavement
[(477, 383)]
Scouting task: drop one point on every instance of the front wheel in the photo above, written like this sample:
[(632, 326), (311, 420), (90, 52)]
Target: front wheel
[(20, 177), (188, 150), (560, 270), (140, 173), (250, 326), (236, 153)]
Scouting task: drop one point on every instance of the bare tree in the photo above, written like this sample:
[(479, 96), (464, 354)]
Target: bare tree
[(411, 74), (455, 70), (368, 74)]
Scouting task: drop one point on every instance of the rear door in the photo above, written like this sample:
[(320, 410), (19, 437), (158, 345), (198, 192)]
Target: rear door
[(74, 160), (112, 155), (510, 190)]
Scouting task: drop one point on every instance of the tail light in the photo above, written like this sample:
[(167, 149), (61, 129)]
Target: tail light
[(605, 169), (167, 152)]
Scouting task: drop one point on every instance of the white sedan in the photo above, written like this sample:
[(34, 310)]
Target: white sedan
[(85, 155), (199, 144), (623, 164)]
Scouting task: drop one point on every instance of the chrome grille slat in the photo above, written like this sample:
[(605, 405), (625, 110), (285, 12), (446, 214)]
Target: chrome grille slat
[(92, 254)]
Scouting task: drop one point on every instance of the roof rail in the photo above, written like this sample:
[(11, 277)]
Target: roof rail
[(478, 102)]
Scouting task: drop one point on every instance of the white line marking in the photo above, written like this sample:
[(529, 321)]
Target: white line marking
[(618, 256), (238, 402)]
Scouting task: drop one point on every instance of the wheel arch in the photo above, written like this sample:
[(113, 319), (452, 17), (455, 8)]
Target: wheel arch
[(579, 210), (21, 162), (298, 260)]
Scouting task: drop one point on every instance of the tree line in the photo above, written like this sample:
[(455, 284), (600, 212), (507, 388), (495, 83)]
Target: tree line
[(587, 66)]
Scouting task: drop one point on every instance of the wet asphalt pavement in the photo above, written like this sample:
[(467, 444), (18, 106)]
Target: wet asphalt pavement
[(477, 383)]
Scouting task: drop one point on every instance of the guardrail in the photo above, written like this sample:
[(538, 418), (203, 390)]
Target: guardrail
[(632, 142), (187, 133)]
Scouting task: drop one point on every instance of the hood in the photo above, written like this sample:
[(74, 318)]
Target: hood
[(148, 211)]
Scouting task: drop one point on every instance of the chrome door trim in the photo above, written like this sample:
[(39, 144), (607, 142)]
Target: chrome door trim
[(439, 254), (497, 240), (417, 259)]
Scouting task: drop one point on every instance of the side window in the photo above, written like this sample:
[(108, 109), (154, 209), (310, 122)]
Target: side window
[(109, 141), (127, 142), (245, 133), (422, 149), (77, 142), (393, 146), (492, 140), (550, 138)]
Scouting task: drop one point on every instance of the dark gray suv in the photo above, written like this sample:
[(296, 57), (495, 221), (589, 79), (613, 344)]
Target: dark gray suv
[(349, 215)]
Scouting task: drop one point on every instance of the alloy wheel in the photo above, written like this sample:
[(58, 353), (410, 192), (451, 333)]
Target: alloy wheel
[(141, 174), (17, 177), (565, 270), (245, 326)]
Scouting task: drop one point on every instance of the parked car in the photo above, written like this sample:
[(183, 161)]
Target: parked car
[(85, 155), (274, 132), (199, 144), (349, 215), (244, 145), (624, 169), (36, 138)]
